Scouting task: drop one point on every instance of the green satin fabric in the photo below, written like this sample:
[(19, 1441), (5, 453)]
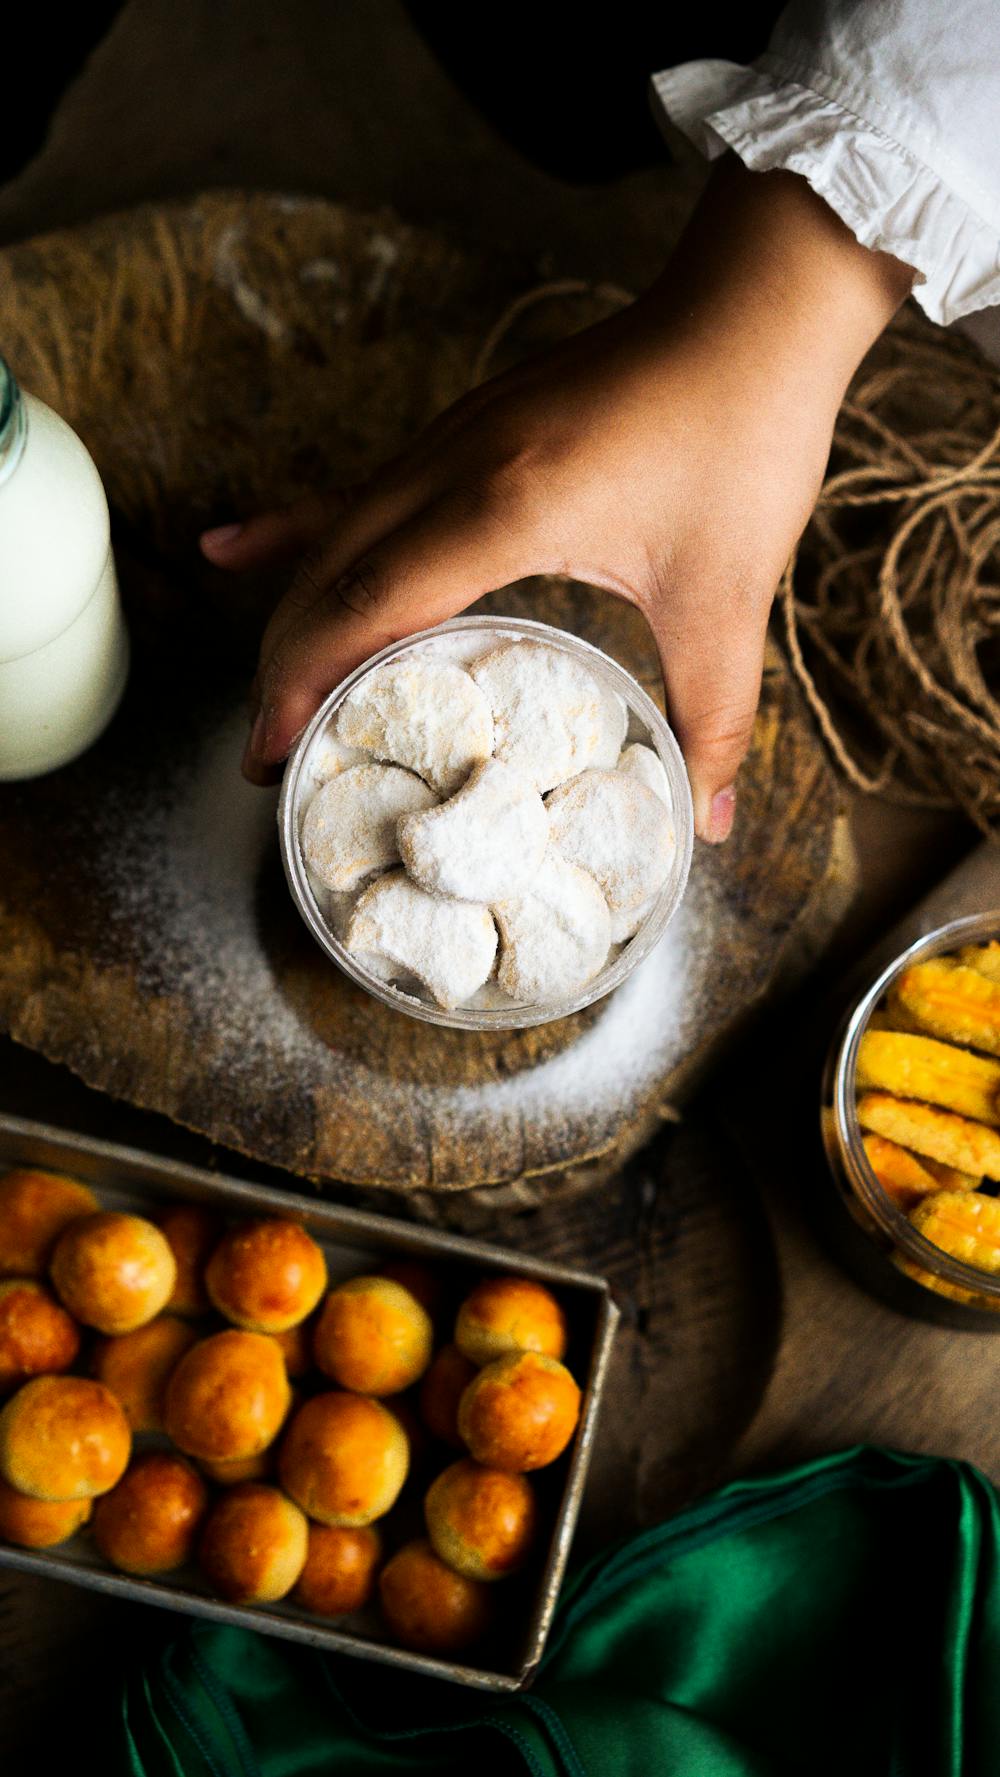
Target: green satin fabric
[(842, 1618)]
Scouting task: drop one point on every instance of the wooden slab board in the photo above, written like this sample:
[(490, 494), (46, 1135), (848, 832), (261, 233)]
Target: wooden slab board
[(215, 356)]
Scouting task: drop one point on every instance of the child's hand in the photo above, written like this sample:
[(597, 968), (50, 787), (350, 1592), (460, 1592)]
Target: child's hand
[(671, 454)]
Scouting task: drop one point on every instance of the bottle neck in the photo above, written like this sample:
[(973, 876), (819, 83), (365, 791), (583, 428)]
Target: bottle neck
[(13, 424)]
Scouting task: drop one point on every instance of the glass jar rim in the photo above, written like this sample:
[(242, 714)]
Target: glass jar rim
[(635, 951), (971, 928)]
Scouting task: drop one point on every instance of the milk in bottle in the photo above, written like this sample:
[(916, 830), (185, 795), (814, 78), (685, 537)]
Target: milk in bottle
[(63, 646)]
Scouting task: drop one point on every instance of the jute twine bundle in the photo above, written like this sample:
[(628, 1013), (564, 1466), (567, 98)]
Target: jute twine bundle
[(890, 605)]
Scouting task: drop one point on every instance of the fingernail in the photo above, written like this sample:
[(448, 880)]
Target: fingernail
[(257, 742), (221, 535), (720, 815)]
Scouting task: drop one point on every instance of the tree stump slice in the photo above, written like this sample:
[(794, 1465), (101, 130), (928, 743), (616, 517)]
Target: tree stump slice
[(217, 355)]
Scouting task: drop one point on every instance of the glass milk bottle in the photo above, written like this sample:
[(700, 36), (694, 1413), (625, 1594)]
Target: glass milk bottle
[(63, 645)]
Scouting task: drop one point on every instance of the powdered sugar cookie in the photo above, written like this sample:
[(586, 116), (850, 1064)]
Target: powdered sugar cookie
[(646, 765), (485, 843), (328, 756), (615, 828), (625, 921), (350, 827), (555, 938), (448, 945), (423, 713), (551, 717)]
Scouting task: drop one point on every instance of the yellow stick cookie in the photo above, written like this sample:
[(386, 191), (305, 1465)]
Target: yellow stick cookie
[(922, 1067), (984, 957), (957, 1003), (963, 1223), (957, 1141), (903, 1177)]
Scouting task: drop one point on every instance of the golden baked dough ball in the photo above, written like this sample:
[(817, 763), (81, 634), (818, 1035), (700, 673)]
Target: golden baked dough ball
[(441, 1390), (114, 1272), (36, 1335), (344, 1459), (241, 1468), (508, 1314), (35, 1207), (63, 1437), (339, 1574), (227, 1397), (253, 1546), (266, 1276), (519, 1412), (428, 1606), (149, 1522), (373, 1336), (137, 1367), (39, 1523), (191, 1233), (481, 1521)]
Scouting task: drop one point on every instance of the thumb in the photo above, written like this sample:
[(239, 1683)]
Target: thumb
[(712, 670)]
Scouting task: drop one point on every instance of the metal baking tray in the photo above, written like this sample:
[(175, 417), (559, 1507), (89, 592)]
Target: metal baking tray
[(127, 1178)]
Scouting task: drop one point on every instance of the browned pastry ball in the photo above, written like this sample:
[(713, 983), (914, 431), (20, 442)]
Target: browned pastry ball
[(35, 1208), (191, 1232), (519, 1412), (227, 1397), (510, 1314), (266, 1276), (39, 1523), (428, 1606), (63, 1437), (253, 1546), (339, 1574), (441, 1390), (36, 1334), (112, 1271), (373, 1336), (344, 1459), (137, 1367), (149, 1522), (481, 1521)]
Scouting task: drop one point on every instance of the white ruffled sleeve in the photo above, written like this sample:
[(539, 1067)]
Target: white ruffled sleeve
[(891, 110)]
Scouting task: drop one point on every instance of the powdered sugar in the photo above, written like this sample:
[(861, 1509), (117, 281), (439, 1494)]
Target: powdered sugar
[(447, 945), (612, 826), (424, 713), (555, 937), (552, 718), (180, 864), (483, 844)]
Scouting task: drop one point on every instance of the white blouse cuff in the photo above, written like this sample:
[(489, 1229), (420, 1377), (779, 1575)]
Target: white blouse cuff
[(888, 198)]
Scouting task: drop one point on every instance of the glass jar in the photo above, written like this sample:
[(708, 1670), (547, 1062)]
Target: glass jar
[(467, 638), (63, 644), (872, 1233)]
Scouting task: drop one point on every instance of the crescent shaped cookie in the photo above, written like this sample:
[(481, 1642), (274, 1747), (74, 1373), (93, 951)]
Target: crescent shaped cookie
[(349, 830), (448, 945), (423, 713), (617, 830), (551, 717), (556, 937), (484, 844)]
